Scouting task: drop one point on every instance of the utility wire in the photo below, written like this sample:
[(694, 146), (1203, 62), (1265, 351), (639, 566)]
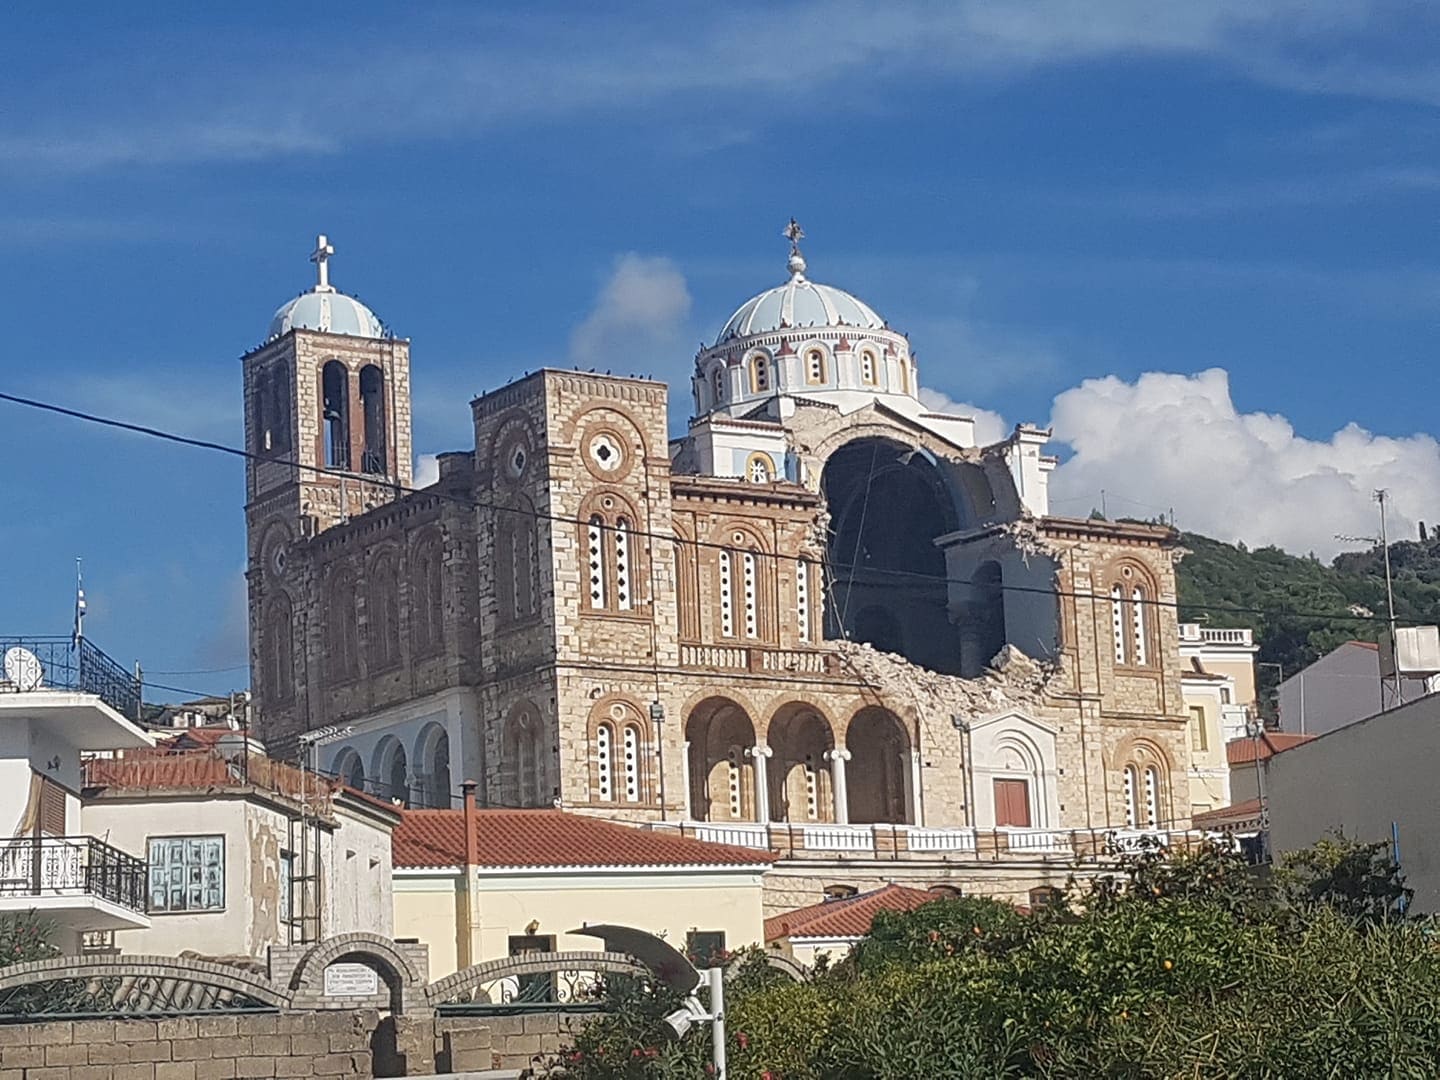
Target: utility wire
[(470, 502)]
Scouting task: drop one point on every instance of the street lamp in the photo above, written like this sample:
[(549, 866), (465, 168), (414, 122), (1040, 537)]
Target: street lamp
[(673, 970)]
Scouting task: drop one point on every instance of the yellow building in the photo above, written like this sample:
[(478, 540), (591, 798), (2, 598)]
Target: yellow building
[(1217, 682), (478, 885)]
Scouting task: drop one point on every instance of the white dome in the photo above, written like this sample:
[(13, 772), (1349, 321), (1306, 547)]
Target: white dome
[(799, 303), (327, 310)]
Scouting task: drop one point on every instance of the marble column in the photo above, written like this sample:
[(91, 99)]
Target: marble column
[(838, 758), (917, 800), (760, 754)]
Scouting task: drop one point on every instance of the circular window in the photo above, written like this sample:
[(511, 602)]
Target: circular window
[(605, 452), (277, 558), (516, 461)]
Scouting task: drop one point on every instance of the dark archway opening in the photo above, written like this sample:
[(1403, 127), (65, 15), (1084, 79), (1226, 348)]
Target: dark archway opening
[(888, 503)]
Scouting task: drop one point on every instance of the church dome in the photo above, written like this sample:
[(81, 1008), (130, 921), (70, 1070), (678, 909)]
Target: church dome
[(323, 308), (799, 303), (333, 312)]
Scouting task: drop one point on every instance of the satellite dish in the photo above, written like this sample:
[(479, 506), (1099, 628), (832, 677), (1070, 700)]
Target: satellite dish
[(22, 669), (669, 964)]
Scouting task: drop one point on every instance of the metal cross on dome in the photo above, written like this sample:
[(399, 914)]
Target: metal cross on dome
[(794, 233), (321, 258)]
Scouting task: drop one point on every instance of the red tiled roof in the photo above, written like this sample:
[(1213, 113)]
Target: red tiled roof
[(1226, 817), (1244, 751), (845, 918), (200, 770), (552, 838)]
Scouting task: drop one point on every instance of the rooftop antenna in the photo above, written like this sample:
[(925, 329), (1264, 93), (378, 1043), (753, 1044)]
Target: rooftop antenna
[(79, 603), (1396, 687)]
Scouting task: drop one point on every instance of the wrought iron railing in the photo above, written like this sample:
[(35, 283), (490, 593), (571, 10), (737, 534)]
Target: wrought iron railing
[(71, 866), (63, 663)]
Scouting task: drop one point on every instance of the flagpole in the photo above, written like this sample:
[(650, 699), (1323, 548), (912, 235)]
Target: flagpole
[(79, 603)]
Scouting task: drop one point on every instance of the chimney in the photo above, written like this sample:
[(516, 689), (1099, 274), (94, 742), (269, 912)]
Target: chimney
[(472, 823)]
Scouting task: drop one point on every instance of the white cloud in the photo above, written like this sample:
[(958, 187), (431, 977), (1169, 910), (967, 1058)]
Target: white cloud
[(1178, 441), (639, 316), (989, 426), (495, 69), (427, 470)]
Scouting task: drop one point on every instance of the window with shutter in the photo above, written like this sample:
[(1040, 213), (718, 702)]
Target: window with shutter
[(52, 808)]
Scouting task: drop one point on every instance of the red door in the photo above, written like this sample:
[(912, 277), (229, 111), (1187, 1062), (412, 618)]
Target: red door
[(1012, 803)]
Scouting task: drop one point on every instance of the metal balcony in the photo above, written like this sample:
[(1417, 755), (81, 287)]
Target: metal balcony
[(33, 664), (77, 880)]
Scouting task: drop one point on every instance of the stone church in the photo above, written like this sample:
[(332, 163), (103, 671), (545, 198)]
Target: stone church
[(822, 619)]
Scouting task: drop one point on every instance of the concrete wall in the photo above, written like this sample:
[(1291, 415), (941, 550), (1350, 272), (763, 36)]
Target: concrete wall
[(358, 877), (1360, 779), (430, 908), (1339, 688)]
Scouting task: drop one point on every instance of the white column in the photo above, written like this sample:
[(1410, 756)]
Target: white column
[(838, 758), (685, 775), (917, 803), (759, 753)]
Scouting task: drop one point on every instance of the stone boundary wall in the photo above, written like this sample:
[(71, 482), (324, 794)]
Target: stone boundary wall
[(220, 1047)]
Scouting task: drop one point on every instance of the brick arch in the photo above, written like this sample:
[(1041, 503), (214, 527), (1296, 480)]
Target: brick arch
[(902, 715), (407, 988), (611, 414), (784, 703), (185, 973), (476, 975)]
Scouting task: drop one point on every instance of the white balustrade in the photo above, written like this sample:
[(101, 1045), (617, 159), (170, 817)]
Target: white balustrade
[(839, 838), (1036, 840), (735, 834), (920, 839)]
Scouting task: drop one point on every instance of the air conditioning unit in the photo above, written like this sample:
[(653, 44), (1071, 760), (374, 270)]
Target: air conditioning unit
[(1414, 655)]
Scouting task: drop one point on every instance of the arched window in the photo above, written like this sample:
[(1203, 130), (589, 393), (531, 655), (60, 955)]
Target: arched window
[(611, 559), (279, 652), (433, 751), (631, 748), (687, 589), (516, 576), (867, 367), (732, 761), (905, 376), (426, 608), (622, 564), (727, 597), (752, 603), (605, 762), (1152, 796), (342, 627), (522, 760), (802, 598), (349, 769), (278, 411), (335, 395), (383, 613), (1131, 617), (595, 547), (760, 469), (1132, 782), (815, 372), (392, 771), (759, 374), (372, 407), (717, 383)]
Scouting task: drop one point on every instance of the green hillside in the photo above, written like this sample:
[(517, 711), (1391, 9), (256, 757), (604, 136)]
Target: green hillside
[(1284, 595)]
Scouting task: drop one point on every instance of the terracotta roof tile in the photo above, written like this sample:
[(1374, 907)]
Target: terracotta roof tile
[(1226, 817), (849, 918), (200, 770), (1245, 752), (552, 838)]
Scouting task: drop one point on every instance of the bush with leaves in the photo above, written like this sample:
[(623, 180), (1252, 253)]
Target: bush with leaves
[(1194, 965)]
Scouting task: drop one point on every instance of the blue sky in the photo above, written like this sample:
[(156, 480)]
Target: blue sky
[(1198, 240)]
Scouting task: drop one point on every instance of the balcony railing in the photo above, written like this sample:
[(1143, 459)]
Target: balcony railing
[(761, 660), (62, 663), (962, 843), (36, 866), (1192, 632)]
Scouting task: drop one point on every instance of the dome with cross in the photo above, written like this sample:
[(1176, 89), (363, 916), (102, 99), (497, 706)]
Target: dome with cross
[(798, 304), (323, 308)]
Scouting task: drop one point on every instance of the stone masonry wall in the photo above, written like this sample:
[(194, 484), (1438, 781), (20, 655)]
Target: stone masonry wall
[(219, 1047)]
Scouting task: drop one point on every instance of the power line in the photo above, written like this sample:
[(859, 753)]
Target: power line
[(471, 502)]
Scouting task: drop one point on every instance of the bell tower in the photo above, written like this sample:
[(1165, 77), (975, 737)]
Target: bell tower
[(327, 425)]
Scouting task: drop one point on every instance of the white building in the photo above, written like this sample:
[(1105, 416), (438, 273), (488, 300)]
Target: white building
[(1217, 680), (61, 698), (243, 853)]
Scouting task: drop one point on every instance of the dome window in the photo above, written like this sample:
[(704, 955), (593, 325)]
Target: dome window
[(815, 367), (718, 380), (759, 374), (867, 368), (760, 469)]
